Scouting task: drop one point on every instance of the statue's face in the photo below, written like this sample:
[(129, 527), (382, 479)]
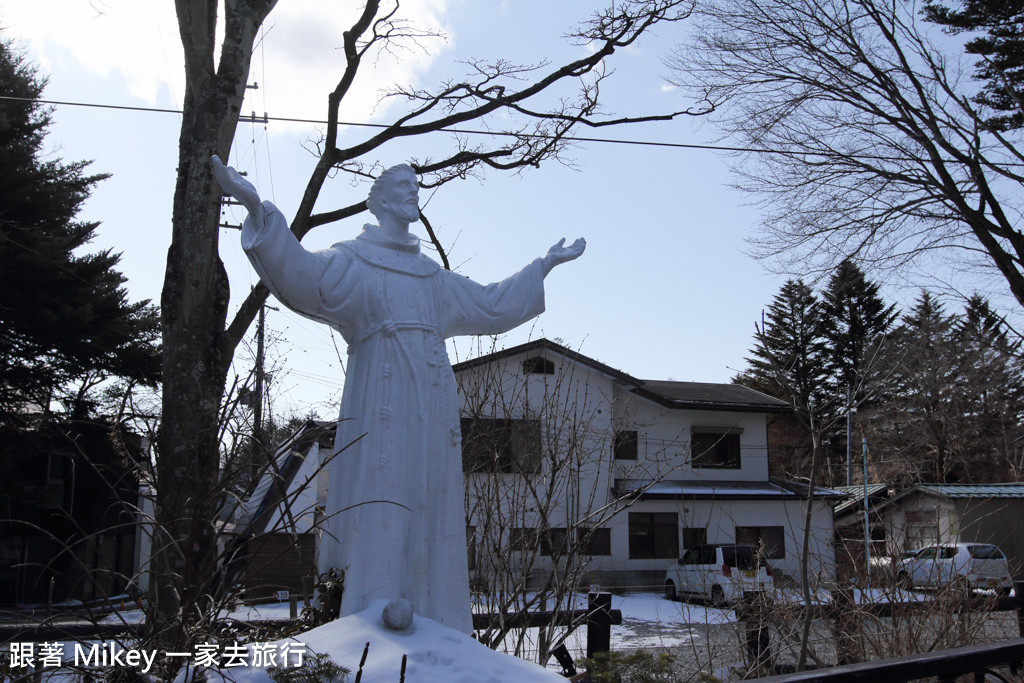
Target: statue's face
[(401, 196)]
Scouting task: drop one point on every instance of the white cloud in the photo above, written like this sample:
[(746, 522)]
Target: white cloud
[(300, 59), (135, 43)]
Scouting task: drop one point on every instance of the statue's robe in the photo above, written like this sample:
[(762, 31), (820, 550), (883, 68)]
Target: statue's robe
[(395, 507)]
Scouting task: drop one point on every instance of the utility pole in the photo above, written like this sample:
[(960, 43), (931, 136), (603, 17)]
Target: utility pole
[(849, 457), (867, 517), (257, 408)]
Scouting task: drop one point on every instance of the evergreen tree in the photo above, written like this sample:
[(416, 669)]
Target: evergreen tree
[(789, 349), (787, 361), (64, 315), (956, 410), (855, 321), (1001, 49), (993, 390), (927, 408)]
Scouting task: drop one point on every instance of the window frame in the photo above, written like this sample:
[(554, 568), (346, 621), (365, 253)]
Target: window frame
[(652, 536), (724, 437), (625, 444), (595, 542), (504, 446), (773, 550), (550, 538), (523, 539), (538, 365)]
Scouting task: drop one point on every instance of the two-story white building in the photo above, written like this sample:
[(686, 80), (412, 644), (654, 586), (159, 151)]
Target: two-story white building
[(576, 471)]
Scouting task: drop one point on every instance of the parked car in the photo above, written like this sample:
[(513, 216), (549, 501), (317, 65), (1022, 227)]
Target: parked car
[(971, 565), (719, 574), (885, 566)]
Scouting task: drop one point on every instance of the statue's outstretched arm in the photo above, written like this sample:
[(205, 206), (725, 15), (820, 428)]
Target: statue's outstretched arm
[(232, 183), (559, 253)]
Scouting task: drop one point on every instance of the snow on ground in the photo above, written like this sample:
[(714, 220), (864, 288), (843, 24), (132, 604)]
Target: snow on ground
[(436, 653), (433, 653), (648, 621)]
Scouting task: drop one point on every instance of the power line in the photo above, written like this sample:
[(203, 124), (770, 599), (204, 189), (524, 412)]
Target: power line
[(253, 118), (465, 131)]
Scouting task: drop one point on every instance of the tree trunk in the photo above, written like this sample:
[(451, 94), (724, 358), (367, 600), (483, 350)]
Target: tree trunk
[(194, 309)]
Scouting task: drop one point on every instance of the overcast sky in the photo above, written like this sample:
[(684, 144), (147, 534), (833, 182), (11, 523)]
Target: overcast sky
[(664, 291)]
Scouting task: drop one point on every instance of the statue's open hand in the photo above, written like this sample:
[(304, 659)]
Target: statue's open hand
[(559, 253), (232, 183)]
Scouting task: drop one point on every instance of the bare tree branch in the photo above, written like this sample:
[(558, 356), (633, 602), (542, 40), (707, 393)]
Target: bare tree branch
[(866, 142)]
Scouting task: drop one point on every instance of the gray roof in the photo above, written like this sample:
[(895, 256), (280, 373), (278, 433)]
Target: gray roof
[(878, 497), (1013, 489), (252, 515), (856, 499), (680, 395), (705, 395), (720, 490)]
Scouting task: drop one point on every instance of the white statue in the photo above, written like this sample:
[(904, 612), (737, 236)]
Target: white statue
[(395, 502)]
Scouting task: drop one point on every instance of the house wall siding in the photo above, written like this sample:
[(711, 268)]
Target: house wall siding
[(591, 407)]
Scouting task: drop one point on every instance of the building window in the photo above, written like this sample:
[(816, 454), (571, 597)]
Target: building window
[(715, 448), (55, 467), (694, 536), (523, 539), (653, 535), (538, 366), (594, 542), (624, 445), (553, 542), (500, 445), (471, 546), (773, 538)]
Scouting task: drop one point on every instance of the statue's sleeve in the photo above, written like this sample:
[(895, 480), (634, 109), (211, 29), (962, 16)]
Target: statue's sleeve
[(293, 274), (472, 308)]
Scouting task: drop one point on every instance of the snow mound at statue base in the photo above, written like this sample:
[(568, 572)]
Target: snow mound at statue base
[(434, 653)]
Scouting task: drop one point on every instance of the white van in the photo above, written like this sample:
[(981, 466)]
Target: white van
[(719, 574)]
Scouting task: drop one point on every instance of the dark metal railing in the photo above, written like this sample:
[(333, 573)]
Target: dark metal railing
[(946, 665)]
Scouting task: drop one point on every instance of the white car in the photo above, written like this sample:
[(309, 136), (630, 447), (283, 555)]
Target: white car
[(971, 565), (719, 574), (884, 566)]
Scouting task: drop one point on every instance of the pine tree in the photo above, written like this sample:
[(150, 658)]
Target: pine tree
[(788, 354), (1001, 49), (956, 410), (64, 315), (855, 321), (787, 361), (993, 391), (928, 405)]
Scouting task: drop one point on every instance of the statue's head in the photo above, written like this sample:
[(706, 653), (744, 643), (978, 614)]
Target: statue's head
[(395, 191)]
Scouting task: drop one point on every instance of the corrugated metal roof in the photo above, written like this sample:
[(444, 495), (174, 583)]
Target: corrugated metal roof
[(288, 458), (878, 502), (1013, 489), (856, 494)]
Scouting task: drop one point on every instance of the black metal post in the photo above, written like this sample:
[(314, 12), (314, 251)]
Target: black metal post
[(751, 611), (844, 625), (1018, 593), (599, 623)]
